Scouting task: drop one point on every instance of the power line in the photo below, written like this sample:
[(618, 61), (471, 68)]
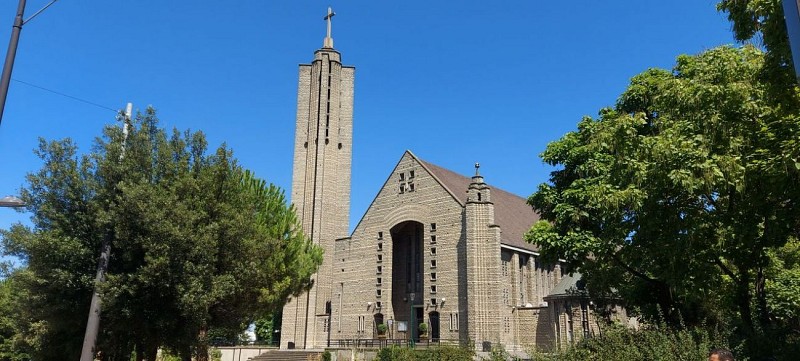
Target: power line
[(66, 95)]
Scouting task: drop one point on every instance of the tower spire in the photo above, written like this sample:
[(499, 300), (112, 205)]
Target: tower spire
[(328, 43)]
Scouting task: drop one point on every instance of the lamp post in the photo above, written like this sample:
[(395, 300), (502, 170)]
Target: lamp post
[(411, 320), (5, 78)]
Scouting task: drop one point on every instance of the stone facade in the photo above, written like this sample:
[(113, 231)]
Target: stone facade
[(434, 246)]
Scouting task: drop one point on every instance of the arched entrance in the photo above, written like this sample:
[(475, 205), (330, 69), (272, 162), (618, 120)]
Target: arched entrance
[(407, 275)]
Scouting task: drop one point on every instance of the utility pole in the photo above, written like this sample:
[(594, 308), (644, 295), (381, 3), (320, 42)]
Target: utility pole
[(5, 79), (93, 323)]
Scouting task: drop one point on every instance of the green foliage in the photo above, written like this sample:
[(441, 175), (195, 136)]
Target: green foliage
[(622, 344), (382, 328), (12, 346), (763, 21), (444, 353), (675, 199), (395, 353), (216, 355), (498, 353), (423, 327), (783, 284), (166, 356), (326, 356), (266, 326), (199, 245)]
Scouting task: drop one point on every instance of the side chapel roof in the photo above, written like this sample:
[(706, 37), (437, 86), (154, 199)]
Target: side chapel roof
[(511, 212)]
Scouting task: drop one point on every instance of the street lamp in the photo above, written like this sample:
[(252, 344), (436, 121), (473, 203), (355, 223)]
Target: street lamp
[(11, 201), (5, 78), (411, 320)]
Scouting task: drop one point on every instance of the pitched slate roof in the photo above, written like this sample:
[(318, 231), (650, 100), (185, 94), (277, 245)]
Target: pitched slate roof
[(567, 285), (511, 212)]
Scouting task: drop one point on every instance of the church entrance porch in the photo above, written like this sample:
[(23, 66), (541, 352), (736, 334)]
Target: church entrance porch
[(407, 279)]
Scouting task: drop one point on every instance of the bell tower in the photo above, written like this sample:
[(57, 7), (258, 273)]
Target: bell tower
[(320, 182)]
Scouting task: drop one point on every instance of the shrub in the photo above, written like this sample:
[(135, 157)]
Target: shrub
[(423, 327), (618, 343), (382, 328), (441, 353), (395, 353)]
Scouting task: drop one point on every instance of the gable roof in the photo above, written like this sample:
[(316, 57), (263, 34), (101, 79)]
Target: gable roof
[(511, 212)]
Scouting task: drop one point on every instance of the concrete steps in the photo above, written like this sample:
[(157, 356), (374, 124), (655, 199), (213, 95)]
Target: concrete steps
[(289, 355)]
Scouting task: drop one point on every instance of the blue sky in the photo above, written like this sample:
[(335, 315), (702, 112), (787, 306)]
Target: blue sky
[(454, 82)]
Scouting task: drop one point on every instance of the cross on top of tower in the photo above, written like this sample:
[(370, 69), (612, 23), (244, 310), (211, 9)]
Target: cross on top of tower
[(328, 43), (477, 167)]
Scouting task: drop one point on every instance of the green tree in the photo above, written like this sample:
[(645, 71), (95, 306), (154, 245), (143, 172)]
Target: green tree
[(266, 326), (197, 243), (762, 20), (12, 347), (675, 198)]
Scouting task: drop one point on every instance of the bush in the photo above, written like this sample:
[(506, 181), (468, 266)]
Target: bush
[(441, 353), (215, 354), (326, 356), (423, 327), (618, 343), (382, 328), (395, 353)]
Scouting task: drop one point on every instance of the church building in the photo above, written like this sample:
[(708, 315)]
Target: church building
[(434, 247)]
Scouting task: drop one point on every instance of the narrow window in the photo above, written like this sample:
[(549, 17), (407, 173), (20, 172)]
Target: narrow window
[(433, 226), (380, 258), (380, 281), (433, 288), (380, 246), (402, 177), (380, 235), (433, 239), (433, 263), (402, 188), (411, 174), (410, 187), (433, 276), (479, 196), (378, 304), (433, 302), (377, 293), (433, 251), (380, 269)]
